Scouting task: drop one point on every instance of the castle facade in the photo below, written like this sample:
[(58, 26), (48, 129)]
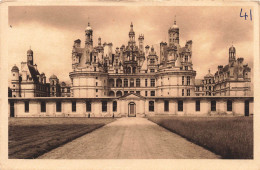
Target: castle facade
[(136, 80)]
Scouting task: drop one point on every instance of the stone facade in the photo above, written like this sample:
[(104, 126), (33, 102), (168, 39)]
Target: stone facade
[(130, 105), (98, 72)]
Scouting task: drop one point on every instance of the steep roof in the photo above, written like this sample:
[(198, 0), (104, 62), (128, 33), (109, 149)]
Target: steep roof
[(34, 73)]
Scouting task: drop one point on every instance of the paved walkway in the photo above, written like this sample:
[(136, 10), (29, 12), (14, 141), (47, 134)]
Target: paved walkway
[(130, 138)]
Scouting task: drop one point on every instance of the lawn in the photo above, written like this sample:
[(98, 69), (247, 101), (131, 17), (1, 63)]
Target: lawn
[(32, 137), (230, 137)]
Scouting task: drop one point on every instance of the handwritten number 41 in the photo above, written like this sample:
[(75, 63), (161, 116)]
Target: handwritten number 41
[(246, 14)]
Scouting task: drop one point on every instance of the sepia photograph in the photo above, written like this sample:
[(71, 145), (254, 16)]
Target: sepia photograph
[(131, 82)]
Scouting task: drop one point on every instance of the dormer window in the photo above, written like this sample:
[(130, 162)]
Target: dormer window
[(152, 61), (186, 58)]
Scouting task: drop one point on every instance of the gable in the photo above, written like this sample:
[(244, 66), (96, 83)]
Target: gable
[(132, 96)]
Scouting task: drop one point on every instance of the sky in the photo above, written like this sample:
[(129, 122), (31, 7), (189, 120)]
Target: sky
[(51, 30)]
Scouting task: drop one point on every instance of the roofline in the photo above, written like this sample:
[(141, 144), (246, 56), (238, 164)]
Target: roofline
[(107, 98)]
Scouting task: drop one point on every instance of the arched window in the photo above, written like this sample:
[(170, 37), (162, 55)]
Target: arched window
[(125, 82), (114, 106), (111, 82), (118, 93), (118, 83), (131, 82), (137, 82), (111, 93), (134, 69)]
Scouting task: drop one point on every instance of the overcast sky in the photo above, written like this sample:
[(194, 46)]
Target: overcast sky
[(51, 31)]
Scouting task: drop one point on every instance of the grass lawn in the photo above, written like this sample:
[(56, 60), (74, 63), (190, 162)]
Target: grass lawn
[(32, 137), (230, 137)]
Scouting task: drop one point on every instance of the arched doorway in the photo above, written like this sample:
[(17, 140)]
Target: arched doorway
[(118, 83), (118, 94), (111, 93), (111, 82), (131, 109)]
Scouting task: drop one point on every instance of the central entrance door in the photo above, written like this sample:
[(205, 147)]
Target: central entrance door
[(131, 109)]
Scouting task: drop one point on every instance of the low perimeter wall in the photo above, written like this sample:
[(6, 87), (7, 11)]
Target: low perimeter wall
[(120, 107)]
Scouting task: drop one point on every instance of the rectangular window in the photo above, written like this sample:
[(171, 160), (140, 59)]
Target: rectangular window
[(152, 93), (180, 106), (186, 58), (96, 83), (138, 92), (114, 106), (213, 105), (188, 80), (188, 92), (26, 106), (152, 70), (166, 105), (152, 82), (88, 106), (96, 90), (197, 105), (182, 81), (125, 92), (151, 106), (137, 82), (43, 106), (104, 106), (145, 82), (186, 67), (145, 93), (74, 104), (58, 106), (229, 105), (182, 93)]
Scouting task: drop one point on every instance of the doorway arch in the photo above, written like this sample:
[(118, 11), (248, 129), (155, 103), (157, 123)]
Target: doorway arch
[(131, 109)]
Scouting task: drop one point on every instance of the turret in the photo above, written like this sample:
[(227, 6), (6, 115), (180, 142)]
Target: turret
[(220, 67), (147, 49), (141, 42), (99, 41), (77, 43), (15, 73), (163, 51), (30, 57), (15, 81), (173, 34), (131, 41), (89, 36), (232, 54)]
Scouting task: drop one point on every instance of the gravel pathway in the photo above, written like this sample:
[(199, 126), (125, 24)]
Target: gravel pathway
[(130, 138)]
